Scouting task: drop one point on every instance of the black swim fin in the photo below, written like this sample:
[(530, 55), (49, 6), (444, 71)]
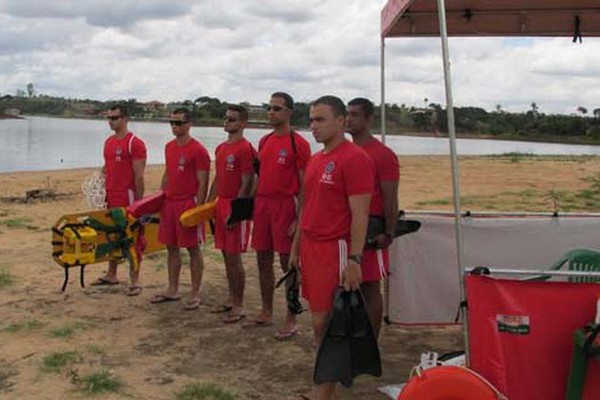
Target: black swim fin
[(365, 351), (334, 357), (242, 209)]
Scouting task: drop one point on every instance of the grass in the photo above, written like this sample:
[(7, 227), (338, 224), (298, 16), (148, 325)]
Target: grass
[(204, 391), (99, 382), (68, 330), (6, 278), (95, 349), (29, 325), (21, 222), (54, 362)]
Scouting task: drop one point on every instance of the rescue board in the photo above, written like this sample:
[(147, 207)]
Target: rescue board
[(201, 213)]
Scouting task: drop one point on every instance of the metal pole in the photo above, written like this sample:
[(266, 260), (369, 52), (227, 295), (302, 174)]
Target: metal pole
[(453, 158), (383, 132)]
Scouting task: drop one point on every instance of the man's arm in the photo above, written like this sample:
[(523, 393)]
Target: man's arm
[(202, 177), (247, 185), (359, 208), (389, 189), (139, 165), (293, 226), (295, 249), (212, 193)]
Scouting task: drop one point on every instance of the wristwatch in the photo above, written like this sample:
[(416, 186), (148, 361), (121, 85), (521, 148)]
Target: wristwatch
[(357, 258)]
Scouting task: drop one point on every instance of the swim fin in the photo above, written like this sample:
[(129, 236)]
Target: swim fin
[(365, 351), (334, 357)]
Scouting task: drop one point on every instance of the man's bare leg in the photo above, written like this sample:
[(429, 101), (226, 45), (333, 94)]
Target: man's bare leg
[(196, 271), (374, 302), (290, 325), (174, 267), (266, 277), (111, 274), (236, 276)]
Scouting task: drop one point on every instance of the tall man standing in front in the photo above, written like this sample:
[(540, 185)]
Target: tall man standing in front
[(384, 203), (234, 179), (124, 164), (333, 221), (185, 183), (282, 155)]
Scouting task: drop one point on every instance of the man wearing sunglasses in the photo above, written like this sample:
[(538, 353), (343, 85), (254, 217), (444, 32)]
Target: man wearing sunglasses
[(384, 203), (185, 182), (282, 157), (124, 164), (234, 179)]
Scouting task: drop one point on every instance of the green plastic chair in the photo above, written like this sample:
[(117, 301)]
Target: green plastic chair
[(586, 260)]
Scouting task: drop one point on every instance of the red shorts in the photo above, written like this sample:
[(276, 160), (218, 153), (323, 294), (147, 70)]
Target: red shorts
[(230, 240), (375, 265), (272, 218), (171, 232), (321, 264), (119, 198)]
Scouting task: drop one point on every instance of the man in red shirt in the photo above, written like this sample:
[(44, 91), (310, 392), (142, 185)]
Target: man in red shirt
[(334, 214), (384, 203), (234, 178), (185, 182), (282, 155), (124, 164)]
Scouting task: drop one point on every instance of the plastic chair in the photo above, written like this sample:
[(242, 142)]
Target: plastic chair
[(586, 260)]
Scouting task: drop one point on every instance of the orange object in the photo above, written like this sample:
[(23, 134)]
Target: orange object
[(448, 382)]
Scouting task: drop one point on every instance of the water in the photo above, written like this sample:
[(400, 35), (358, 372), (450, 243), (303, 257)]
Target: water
[(38, 143)]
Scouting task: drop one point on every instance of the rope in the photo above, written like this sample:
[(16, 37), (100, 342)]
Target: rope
[(94, 191)]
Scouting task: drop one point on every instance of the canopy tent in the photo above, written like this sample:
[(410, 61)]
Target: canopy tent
[(523, 18)]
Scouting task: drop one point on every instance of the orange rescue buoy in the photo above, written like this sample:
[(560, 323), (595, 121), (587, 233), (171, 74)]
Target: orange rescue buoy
[(448, 382)]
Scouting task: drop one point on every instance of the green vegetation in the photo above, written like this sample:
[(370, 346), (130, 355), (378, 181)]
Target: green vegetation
[(29, 325), (99, 382), (6, 278), (430, 118), (204, 391), (16, 223), (69, 330), (95, 349), (56, 361)]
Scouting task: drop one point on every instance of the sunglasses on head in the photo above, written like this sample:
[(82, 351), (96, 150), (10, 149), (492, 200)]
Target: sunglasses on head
[(113, 117), (178, 122), (230, 119), (276, 108)]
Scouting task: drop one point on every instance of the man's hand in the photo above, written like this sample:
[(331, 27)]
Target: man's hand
[(292, 228), (352, 276), (294, 261), (382, 241)]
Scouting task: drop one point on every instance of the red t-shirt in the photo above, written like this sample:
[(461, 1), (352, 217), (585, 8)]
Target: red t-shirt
[(280, 165), (118, 161), (232, 160), (387, 169), (329, 180), (182, 165)]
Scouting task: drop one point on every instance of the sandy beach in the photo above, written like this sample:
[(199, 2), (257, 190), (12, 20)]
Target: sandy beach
[(156, 351)]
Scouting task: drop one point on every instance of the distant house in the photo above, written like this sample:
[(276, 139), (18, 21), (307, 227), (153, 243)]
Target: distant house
[(154, 109), (257, 114), (14, 112)]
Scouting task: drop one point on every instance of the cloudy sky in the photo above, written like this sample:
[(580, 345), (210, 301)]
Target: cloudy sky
[(242, 50)]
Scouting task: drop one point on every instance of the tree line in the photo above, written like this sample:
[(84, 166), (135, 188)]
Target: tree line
[(429, 119)]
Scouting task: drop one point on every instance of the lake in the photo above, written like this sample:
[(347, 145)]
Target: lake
[(38, 143)]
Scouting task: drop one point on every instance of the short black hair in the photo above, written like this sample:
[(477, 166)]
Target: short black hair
[(241, 110), (287, 99), (186, 113), (366, 105), (123, 109), (337, 105)]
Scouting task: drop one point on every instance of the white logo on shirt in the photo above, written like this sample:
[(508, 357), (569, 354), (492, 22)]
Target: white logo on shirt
[(230, 162), (327, 176), (181, 165), (118, 153), (282, 156)]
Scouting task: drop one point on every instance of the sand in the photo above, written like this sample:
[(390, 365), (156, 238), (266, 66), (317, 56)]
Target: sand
[(156, 350)]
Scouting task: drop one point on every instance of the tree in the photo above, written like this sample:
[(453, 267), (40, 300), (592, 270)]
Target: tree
[(535, 110), (30, 91), (597, 113), (582, 110)]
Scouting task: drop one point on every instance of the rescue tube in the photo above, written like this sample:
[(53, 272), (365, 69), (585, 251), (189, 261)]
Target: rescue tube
[(198, 214), (448, 383)]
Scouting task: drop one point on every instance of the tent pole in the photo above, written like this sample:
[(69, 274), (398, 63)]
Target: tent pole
[(382, 61), (453, 160)]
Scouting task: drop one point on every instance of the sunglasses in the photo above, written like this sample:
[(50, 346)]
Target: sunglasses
[(113, 117), (276, 108), (230, 119), (178, 122)]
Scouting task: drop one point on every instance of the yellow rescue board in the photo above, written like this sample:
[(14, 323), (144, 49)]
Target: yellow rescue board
[(202, 213)]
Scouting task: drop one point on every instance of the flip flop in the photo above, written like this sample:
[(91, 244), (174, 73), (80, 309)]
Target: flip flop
[(286, 335), (161, 298), (191, 305), (221, 308), (134, 290), (233, 318), (257, 323), (104, 282)]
